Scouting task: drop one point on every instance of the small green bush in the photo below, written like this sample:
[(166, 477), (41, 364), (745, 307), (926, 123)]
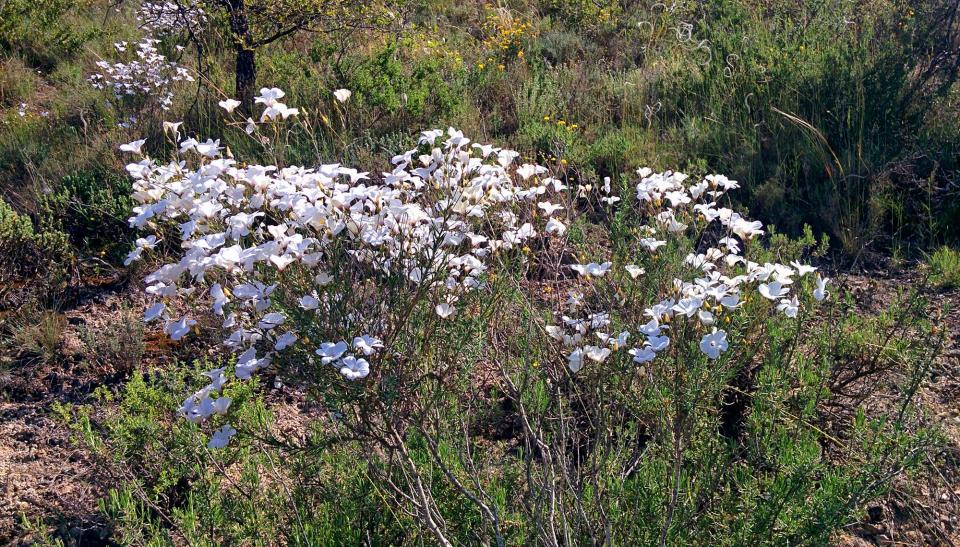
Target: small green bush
[(945, 268), (26, 251), (92, 208)]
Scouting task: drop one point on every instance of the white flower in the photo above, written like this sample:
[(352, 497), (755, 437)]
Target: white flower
[(592, 269), (210, 149), (309, 302), (643, 355), (634, 271), (528, 170), (221, 404), (248, 363), (549, 208), (353, 368), (651, 243), (219, 298), (658, 343), (342, 95), (554, 226), (575, 360), (154, 312), (802, 269), (133, 147), (178, 329), (596, 353), (366, 344), (706, 318), (271, 320), (229, 105), (688, 306), (713, 344), (773, 290), (821, 291), (789, 307), (221, 437), (285, 340), (269, 96), (330, 351), (445, 310), (172, 128)]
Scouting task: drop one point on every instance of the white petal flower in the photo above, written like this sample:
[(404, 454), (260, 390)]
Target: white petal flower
[(575, 360), (229, 105), (643, 355), (802, 269), (271, 320), (285, 340), (178, 329), (330, 351), (789, 307), (133, 147), (366, 344), (354, 368), (309, 302), (556, 227), (221, 437), (713, 344), (592, 269), (773, 290), (445, 310), (658, 343), (634, 271), (154, 311), (821, 291), (596, 353), (342, 95)]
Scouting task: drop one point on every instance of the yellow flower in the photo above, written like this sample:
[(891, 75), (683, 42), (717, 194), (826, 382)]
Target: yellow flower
[(480, 66), (501, 67), (546, 118), (563, 162), (561, 122)]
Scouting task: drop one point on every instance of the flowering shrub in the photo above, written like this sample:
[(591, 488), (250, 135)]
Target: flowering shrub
[(278, 250), (150, 74), (404, 301), (298, 260), (164, 18)]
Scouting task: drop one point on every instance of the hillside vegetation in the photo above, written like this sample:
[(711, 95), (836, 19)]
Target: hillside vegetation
[(553, 272)]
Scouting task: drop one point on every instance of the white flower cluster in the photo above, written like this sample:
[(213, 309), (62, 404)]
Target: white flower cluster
[(722, 273), (434, 221), (170, 17), (150, 73), (432, 224)]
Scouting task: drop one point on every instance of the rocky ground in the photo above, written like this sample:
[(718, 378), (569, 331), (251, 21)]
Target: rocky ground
[(47, 482)]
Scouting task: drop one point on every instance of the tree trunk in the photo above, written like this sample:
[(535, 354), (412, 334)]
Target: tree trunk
[(246, 77), (246, 67)]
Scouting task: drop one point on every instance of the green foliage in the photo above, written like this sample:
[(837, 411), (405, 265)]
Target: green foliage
[(40, 31), (945, 268), (412, 90), (25, 250), (92, 208)]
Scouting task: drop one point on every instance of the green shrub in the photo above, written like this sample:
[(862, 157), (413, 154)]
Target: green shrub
[(92, 208), (945, 268), (26, 251)]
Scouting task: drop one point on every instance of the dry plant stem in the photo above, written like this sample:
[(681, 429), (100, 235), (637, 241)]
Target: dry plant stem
[(488, 511), (424, 501)]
